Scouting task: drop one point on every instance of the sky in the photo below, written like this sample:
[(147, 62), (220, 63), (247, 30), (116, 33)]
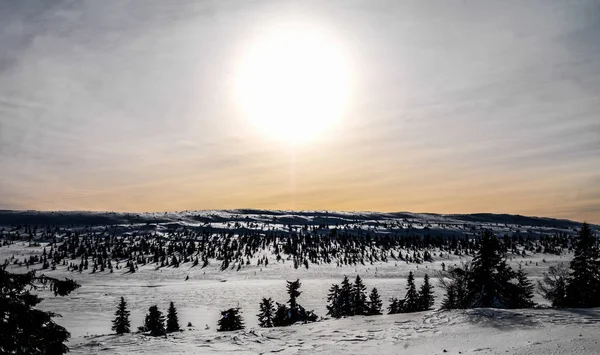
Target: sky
[(452, 107)]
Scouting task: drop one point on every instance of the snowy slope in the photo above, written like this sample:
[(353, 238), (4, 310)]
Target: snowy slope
[(482, 331), (87, 312)]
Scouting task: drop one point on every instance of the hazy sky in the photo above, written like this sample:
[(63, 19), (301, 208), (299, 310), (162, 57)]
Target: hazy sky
[(456, 107)]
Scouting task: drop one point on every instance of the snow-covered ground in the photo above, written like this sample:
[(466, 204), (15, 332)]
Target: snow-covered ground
[(87, 312), (482, 331)]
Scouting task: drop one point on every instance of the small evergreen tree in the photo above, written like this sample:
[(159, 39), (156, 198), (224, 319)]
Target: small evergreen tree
[(172, 319), (584, 283), (426, 298), (333, 300), (553, 286), (266, 313), (154, 322), (121, 322), (523, 291), (282, 315), (395, 306), (455, 282), (489, 282), (359, 298), (345, 302), (375, 304), (293, 288), (230, 320), (411, 300)]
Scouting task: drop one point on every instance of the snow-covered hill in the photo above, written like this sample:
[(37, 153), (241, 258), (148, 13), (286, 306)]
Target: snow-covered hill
[(200, 292), (481, 331)]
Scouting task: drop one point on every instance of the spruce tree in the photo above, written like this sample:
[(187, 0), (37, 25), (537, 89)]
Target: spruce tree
[(426, 298), (523, 297), (333, 300), (346, 306), (456, 284), (282, 315), (395, 306), (293, 291), (489, 282), (230, 320), (584, 282), (23, 328), (121, 322), (154, 322), (553, 286), (411, 300), (375, 303), (266, 313), (359, 298), (172, 319)]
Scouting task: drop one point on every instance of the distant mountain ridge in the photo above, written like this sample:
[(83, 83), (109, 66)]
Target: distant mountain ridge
[(90, 218)]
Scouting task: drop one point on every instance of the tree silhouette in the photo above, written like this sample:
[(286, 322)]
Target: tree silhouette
[(345, 302), (426, 297), (121, 322), (523, 292), (333, 299), (359, 297), (490, 284), (553, 286), (172, 319), (266, 313), (230, 320), (584, 282), (375, 304), (411, 300), (24, 329), (154, 322), (293, 291)]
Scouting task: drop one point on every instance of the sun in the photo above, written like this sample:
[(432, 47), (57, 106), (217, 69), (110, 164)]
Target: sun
[(294, 82)]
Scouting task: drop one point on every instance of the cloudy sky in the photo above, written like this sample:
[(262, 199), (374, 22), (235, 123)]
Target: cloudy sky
[(455, 107)]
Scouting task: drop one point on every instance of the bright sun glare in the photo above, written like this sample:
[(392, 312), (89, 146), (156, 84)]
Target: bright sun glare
[(294, 82)]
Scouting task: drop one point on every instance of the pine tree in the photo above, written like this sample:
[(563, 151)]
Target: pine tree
[(456, 284), (489, 282), (230, 320), (121, 322), (553, 286), (346, 307), (293, 292), (584, 282), (395, 306), (411, 300), (375, 303), (359, 297), (282, 315), (154, 322), (523, 291), (266, 313), (23, 328), (426, 298), (333, 300), (172, 319)]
